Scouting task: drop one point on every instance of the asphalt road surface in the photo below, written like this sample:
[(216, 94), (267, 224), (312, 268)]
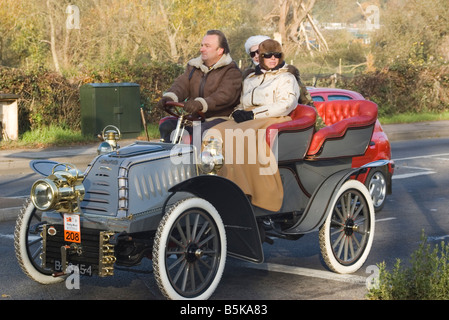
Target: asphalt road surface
[(292, 269)]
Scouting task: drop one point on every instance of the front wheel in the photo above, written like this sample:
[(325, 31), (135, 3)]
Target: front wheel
[(189, 251), (28, 245), (347, 235)]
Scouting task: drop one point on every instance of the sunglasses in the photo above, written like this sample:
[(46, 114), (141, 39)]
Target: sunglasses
[(268, 55), (253, 53)]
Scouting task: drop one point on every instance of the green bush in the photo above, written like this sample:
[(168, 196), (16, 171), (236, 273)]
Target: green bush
[(426, 277), (404, 89), (49, 99), (46, 98)]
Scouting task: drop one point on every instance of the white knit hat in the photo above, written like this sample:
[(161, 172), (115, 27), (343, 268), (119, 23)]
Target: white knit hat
[(254, 41)]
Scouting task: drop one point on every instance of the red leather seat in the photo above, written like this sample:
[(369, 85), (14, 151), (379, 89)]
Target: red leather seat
[(303, 117), (341, 116)]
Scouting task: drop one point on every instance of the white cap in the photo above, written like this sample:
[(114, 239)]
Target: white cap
[(254, 41)]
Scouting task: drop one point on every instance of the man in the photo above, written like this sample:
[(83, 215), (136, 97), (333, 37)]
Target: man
[(211, 84)]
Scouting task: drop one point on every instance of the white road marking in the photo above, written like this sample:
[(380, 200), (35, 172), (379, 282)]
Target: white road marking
[(411, 175), (420, 157), (7, 236), (417, 168), (385, 219), (434, 238), (299, 271), (11, 237), (422, 171), (307, 272)]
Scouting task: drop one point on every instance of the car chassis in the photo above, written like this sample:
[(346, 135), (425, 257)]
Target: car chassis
[(160, 201)]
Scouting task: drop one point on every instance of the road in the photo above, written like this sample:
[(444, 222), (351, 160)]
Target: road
[(292, 269)]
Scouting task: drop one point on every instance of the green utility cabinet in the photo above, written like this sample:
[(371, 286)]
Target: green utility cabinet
[(115, 104)]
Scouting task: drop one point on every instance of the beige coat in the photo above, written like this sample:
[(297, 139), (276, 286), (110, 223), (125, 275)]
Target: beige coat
[(270, 94), (249, 162)]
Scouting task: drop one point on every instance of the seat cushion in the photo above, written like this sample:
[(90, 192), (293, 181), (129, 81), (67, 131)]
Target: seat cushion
[(339, 116)]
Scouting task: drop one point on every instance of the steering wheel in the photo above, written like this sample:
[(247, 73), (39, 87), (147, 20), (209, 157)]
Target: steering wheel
[(176, 109)]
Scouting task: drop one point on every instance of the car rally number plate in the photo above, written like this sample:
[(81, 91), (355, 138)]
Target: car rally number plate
[(72, 228)]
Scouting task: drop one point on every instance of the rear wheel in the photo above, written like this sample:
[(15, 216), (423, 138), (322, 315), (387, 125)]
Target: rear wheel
[(189, 251), (346, 236)]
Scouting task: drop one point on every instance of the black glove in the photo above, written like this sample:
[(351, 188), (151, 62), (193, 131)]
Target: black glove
[(193, 106), (242, 115), (161, 103)]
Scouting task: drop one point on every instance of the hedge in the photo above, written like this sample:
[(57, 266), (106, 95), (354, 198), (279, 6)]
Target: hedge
[(47, 98)]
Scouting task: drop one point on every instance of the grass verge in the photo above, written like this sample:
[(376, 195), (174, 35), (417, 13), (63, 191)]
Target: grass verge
[(56, 136), (414, 117)]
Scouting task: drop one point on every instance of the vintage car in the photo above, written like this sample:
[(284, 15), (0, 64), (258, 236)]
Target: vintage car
[(378, 182), (160, 201)]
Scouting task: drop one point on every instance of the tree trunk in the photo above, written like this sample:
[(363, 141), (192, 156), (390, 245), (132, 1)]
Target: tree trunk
[(53, 39), (171, 36)]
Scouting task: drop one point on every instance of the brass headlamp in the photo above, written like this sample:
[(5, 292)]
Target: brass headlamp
[(110, 138), (211, 159), (62, 191)]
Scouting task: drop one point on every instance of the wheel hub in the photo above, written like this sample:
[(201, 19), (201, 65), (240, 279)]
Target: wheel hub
[(350, 227), (193, 253)]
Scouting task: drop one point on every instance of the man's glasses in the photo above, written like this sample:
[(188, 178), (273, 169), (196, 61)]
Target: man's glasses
[(253, 53), (268, 55)]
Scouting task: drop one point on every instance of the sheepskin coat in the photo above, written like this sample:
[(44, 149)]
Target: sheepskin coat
[(217, 88), (272, 93)]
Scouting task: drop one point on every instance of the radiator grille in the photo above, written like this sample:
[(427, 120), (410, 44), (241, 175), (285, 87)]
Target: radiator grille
[(95, 255), (99, 194)]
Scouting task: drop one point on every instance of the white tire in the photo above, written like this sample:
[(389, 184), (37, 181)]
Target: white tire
[(347, 234), (28, 245), (189, 251)]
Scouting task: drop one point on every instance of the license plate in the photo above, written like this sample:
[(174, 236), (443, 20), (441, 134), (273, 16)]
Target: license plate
[(72, 228), (83, 269)]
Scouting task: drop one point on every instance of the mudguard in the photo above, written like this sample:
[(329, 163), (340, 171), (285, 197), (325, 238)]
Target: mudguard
[(320, 203), (43, 167), (236, 211), (377, 163)]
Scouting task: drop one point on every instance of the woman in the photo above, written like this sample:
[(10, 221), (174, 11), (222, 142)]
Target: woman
[(269, 95), (252, 47)]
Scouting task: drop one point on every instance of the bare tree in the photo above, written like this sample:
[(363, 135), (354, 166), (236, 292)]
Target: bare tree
[(296, 27), (52, 41)]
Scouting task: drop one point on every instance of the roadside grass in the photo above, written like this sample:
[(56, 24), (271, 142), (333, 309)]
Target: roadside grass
[(54, 136), (57, 136), (414, 117)]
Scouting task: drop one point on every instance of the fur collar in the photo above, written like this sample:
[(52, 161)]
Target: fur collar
[(279, 68), (199, 64), (259, 69)]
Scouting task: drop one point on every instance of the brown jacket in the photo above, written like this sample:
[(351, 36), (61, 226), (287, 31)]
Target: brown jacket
[(218, 88)]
